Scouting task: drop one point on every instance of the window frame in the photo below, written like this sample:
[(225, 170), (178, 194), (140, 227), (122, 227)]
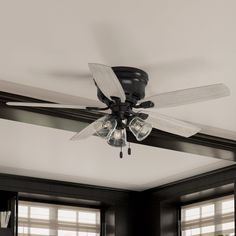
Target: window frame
[(204, 199), (64, 204)]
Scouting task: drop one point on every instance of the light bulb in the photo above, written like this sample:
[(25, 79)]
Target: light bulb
[(140, 128), (117, 138)]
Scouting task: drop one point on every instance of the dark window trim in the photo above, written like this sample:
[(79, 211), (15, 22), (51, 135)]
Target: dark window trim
[(56, 202), (223, 194), (165, 201), (115, 204), (210, 197)]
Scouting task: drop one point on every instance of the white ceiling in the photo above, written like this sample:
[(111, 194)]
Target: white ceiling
[(48, 153), (180, 44)]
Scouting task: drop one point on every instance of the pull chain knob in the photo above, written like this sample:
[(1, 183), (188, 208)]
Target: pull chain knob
[(129, 150), (121, 153)]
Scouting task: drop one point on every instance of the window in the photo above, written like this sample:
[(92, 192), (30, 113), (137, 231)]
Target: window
[(40, 219), (209, 218)]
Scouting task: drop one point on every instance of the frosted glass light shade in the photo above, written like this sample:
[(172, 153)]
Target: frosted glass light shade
[(140, 128), (105, 126), (118, 138)]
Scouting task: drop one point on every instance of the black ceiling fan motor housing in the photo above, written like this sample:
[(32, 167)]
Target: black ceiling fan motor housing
[(133, 81)]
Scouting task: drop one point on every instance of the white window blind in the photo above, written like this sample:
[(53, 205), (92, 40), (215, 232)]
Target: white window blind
[(40, 219), (209, 218)]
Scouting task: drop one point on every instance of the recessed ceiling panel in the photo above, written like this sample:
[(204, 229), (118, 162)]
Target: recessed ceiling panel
[(180, 44), (48, 153)]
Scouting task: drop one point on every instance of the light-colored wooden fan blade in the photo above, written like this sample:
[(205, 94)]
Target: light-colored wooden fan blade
[(171, 125), (46, 95), (86, 132), (188, 96), (46, 105), (107, 81)]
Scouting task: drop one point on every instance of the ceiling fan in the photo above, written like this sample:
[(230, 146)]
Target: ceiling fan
[(122, 93)]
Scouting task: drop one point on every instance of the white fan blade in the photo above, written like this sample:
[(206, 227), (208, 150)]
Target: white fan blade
[(47, 95), (172, 125), (107, 81), (46, 105), (188, 96), (86, 132)]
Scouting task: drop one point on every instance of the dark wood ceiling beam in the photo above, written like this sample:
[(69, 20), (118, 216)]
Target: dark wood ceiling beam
[(75, 120)]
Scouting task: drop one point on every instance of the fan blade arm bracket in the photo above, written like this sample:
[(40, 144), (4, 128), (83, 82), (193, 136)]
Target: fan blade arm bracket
[(117, 100), (145, 105)]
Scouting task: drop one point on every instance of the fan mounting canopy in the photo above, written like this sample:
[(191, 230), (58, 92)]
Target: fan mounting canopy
[(132, 80)]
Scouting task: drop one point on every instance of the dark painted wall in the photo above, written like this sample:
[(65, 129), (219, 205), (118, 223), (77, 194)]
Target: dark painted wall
[(153, 212), (165, 202), (116, 204), (126, 213)]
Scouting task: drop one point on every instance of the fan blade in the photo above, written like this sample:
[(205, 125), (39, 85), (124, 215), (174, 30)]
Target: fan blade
[(46, 105), (188, 96), (47, 95), (172, 125), (107, 81), (86, 132)]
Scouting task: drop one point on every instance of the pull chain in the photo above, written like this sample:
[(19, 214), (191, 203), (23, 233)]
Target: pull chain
[(121, 153), (129, 150)]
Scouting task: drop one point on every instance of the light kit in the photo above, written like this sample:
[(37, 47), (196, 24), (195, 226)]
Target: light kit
[(114, 129)]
